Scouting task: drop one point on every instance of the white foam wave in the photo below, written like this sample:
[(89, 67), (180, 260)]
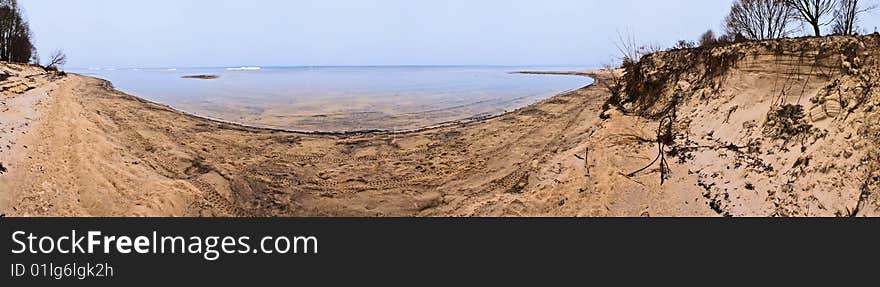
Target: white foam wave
[(244, 69)]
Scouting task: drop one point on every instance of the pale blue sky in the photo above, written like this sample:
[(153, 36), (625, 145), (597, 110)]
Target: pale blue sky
[(190, 33)]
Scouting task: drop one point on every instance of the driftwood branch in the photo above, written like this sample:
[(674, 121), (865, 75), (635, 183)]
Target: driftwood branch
[(667, 121), (863, 195)]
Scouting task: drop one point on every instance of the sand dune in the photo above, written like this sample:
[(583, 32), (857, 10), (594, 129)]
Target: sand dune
[(729, 149)]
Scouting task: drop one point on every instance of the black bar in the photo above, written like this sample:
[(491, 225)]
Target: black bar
[(447, 250)]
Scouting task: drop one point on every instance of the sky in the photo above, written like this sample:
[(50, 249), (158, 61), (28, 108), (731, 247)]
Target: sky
[(224, 33)]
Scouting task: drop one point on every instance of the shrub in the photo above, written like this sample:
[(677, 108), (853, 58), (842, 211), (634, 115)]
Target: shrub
[(684, 44), (786, 122), (708, 39)]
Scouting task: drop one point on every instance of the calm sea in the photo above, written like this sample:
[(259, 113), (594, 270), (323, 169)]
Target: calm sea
[(342, 98)]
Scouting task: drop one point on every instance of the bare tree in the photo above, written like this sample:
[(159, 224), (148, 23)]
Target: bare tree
[(759, 19), (813, 12), (15, 34), (631, 50), (846, 16), (58, 58)]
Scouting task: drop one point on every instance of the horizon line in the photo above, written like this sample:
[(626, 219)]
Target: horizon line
[(323, 66)]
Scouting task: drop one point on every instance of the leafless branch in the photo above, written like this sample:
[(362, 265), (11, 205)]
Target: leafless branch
[(760, 19), (58, 58)]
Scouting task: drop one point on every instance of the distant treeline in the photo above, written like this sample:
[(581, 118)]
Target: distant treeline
[(16, 44), (773, 19), (756, 20)]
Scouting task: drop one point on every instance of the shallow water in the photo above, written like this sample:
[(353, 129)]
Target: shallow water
[(343, 98)]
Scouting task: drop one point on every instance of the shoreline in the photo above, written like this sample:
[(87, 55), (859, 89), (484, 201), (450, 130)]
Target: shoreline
[(586, 73), (474, 119)]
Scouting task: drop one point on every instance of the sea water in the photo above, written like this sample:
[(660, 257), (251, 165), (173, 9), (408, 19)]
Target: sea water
[(342, 98)]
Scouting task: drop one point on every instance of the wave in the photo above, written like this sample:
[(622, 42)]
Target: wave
[(244, 69)]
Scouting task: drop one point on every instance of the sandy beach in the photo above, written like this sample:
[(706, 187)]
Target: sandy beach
[(115, 154), (81, 148)]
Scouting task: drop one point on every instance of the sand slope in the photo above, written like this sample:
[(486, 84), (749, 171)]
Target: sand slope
[(726, 150)]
